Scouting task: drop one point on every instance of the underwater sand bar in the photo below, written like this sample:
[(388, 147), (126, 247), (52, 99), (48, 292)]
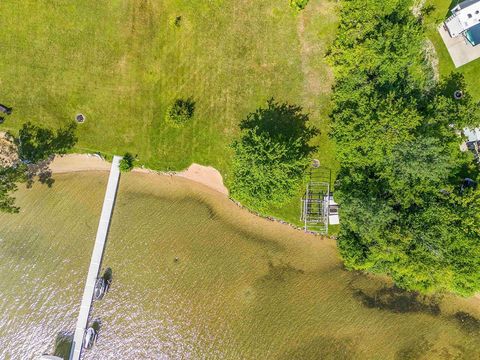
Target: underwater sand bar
[(96, 259)]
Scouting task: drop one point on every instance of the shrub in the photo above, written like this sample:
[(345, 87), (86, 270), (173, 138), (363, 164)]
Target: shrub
[(298, 4), (180, 112), (126, 164), (176, 21)]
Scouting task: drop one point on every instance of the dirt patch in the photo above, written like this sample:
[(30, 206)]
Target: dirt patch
[(431, 58), (8, 151)]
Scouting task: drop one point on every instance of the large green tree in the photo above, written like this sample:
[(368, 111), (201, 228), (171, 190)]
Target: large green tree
[(404, 209), (34, 144), (9, 177), (271, 155)]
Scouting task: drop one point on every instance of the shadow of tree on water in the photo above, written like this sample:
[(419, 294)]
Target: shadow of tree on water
[(397, 300)]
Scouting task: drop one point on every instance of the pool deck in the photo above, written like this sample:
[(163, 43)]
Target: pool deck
[(96, 259), (460, 50)]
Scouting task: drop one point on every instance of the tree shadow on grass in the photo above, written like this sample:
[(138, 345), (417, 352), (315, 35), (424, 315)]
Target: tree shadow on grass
[(282, 123)]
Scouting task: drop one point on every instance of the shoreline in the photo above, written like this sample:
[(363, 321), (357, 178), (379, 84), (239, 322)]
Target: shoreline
[(205, 175)]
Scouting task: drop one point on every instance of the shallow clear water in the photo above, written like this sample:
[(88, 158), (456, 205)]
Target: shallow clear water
[(241, 287)]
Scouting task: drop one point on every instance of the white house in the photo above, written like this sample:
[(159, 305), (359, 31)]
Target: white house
[(465, 21)]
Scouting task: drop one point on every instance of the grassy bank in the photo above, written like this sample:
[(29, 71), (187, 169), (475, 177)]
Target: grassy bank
[(121, 63)]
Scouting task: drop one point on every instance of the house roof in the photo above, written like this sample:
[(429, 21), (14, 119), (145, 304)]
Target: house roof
[(454, 26), (466, 15), (466, 4)]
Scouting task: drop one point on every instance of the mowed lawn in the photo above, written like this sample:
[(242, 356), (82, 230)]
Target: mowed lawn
[(471, 71), (122, 62)]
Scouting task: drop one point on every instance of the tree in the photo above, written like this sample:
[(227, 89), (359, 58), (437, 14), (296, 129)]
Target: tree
[(36, 143), (298, 4), (9, 177), (126, 164), (271, 155), (180, 112), (404, 210)]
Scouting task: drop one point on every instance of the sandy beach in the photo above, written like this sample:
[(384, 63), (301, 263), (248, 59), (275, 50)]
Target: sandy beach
[(205, 175)]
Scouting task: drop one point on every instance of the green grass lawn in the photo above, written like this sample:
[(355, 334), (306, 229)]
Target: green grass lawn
[(471, 70), (122, 62)]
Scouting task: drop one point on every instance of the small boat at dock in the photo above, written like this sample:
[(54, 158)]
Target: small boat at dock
[(100, 287), (90, 338), (102, 284)]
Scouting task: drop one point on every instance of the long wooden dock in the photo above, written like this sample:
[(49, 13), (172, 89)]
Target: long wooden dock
[(96, 260)]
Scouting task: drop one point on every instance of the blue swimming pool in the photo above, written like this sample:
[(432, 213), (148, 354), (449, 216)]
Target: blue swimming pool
[(473, 35)]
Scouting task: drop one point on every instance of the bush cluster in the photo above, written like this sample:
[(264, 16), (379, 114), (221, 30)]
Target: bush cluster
[(126, 164), (298, 4), (180, 112)]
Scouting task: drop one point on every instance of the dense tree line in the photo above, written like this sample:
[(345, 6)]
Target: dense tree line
[(406, 207)]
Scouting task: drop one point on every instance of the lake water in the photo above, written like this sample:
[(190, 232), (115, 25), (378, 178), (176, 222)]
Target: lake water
[(195, 277)]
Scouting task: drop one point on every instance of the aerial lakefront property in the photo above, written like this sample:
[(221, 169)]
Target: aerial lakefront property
[(277, 179)]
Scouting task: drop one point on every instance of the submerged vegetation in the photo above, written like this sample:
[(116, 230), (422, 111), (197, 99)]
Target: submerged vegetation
[(405, 208)]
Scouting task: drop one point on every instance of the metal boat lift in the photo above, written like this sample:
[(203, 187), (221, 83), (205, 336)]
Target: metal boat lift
[(316, 202)]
